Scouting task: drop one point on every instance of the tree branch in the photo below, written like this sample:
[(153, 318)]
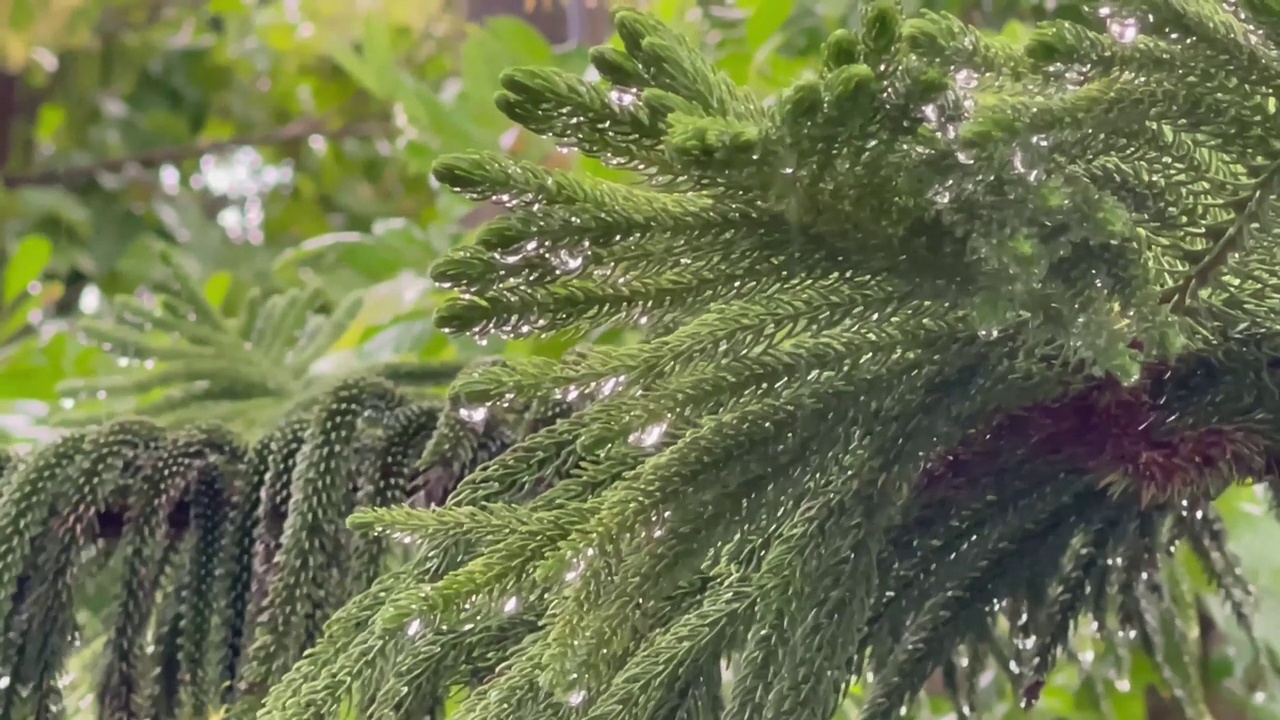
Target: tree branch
[(297, 130), (8, 112), (1253, 207)]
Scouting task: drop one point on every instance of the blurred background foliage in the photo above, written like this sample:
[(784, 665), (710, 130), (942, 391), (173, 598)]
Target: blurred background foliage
[(284, 146)]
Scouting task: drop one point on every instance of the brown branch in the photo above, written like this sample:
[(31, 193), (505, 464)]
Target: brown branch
[(8, 112), (294, 131)]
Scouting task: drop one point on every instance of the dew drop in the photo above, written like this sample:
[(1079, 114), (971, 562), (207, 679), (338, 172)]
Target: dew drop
[(650, 436), (474, 415), (611, 385), (622, 97), (1124, 30), (566, 262)]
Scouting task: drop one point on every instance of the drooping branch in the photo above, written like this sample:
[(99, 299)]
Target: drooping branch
[(1251, 208)]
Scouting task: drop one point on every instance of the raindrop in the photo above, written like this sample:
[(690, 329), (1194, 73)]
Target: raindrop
[(566, 261), (475, 415), (611, 385), (622, 97), (577, 697), (1124, 30), (649, 436), (574, 573), (516, 255), (940, 194)]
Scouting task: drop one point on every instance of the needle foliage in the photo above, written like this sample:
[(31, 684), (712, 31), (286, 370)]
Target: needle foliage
[(220, 545), (942, 351)]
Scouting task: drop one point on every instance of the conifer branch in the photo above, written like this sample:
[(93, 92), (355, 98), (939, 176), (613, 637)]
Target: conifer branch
[(905, 352), (907, 390), (1256, 210), (193, 514)]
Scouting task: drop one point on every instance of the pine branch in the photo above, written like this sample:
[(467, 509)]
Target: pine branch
[(1256, 210), (190, 511), (908, 372), (908, 389)]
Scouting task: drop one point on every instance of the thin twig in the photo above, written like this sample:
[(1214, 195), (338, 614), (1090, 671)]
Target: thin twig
[(8, 115), (1232, 241)]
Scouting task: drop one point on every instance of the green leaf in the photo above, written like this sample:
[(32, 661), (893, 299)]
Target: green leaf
[(765, 19), (217, 287), (18, 318), (353, 260), (522, 44), (412, 333), (359, 69), (25, 266), (446, 128), (379, 55), (22, 15), (227, 7), (670, 11), (56, 204), (50, 119)]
